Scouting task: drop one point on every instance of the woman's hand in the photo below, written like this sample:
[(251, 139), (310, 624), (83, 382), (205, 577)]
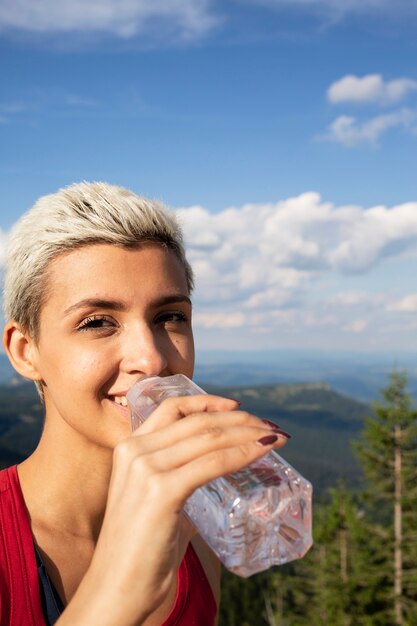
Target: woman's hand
[(144, 534)]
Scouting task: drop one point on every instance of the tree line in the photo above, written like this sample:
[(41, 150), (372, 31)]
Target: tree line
[(362, 569)]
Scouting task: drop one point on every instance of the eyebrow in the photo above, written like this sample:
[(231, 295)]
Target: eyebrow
[(118, 305)]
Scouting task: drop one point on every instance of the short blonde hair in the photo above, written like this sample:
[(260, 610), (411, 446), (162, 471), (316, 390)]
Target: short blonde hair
[(75, 216)]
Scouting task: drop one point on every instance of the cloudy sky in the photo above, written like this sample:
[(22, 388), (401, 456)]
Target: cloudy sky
[(283, 131)]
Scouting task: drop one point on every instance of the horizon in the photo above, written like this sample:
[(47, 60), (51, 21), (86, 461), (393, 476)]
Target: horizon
[(359, 375)]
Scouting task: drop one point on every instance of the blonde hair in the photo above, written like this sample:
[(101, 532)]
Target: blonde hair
[(75, 216)]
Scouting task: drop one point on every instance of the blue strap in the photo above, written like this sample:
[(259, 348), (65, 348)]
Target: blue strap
[(52, 604)]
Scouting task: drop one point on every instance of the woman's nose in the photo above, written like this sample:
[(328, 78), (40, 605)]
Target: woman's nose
[(144, 354)]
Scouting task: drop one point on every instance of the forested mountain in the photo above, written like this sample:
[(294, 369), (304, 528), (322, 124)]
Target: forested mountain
[(321, 421), (21, 418), (322, 424)]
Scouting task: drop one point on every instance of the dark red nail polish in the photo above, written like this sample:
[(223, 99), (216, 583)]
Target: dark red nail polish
[(238, 402), (267, 440), (283, 433), (273, 425)]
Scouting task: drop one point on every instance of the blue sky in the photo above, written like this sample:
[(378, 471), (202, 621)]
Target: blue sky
[(285, 133)]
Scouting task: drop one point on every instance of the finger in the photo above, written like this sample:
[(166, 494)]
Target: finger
[(214, 428), (198, 423), (188, 477), (203, 442), (174, 409)]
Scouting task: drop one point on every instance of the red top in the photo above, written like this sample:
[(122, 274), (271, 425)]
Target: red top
[(20, 600)]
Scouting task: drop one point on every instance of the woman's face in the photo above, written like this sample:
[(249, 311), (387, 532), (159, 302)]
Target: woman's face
[(112, 316)]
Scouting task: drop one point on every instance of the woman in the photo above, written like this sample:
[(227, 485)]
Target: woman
[(97, 296)]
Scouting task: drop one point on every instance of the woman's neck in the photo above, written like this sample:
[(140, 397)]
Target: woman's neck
[(65, 482)]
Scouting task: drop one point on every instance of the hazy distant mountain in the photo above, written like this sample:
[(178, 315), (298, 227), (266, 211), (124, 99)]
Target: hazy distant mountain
[(354, 374), (6, 370)]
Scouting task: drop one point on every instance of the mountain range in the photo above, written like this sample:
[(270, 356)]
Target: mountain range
[(322, 423)]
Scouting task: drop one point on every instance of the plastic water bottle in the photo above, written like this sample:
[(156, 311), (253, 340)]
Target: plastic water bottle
[(253, 518)]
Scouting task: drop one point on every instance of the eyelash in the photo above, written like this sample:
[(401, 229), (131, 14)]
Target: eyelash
[(172, 316), (89, 323), (93, 321)]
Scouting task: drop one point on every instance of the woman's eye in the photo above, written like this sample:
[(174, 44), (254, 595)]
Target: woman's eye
[(171, 316), (95, 322)]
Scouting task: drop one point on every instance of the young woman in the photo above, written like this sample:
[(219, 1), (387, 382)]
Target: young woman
[(97, 296)]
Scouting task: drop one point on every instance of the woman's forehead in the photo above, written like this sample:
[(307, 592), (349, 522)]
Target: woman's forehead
[(106, 268)]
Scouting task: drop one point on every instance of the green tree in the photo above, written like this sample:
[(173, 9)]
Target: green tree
[(243, 600), (362, 569), (327, 586), (387, 450)]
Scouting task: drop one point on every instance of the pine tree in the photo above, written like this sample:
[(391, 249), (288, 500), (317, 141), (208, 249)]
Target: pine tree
[(243, 600), (362, 569), (388, 453), (326, 587)]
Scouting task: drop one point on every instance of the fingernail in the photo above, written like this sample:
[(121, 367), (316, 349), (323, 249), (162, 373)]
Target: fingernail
[(267, 440), (283, 433), (272, 425), (238, 402)]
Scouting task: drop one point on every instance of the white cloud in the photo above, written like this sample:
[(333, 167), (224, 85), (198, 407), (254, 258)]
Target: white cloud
[(10, 111), (13, 108), (337, 9), (218, 319), (350, 132), (347, 4), (298, 269), (38, 102), (407, 304), (370, 88), (79, 102), (264, 266), (123, 18), (357, 326), (163, 19), (349, 305), (285, 273), (348, 299)]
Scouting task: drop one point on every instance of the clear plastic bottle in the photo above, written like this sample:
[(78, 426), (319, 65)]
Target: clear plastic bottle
[(252, 519)]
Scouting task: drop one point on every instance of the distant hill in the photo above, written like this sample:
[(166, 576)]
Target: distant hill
[(321, 421), (354, 374)]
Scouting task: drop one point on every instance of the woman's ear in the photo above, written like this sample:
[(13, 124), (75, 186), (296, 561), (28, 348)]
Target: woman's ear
[(21, 350)]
